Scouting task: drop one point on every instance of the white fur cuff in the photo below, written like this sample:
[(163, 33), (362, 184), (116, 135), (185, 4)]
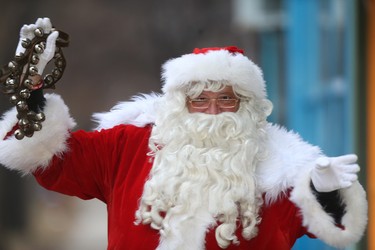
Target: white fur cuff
[(29, 153), (322, 225)]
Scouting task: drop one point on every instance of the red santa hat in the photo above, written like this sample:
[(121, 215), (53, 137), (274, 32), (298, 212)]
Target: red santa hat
[(214, 64)]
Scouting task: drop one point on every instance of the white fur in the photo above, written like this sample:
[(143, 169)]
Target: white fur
[(140, 111), (27, 154), (319, 223), (218, 65), (287, 156)]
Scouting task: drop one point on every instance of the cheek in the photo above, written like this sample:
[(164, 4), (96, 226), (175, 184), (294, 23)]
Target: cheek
[(191, 109), (234, 109)]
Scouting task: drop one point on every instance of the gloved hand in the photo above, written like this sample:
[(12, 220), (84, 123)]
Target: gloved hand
[(36, 99), (27, 32), (333, 173), (49, 51), (26, 35)]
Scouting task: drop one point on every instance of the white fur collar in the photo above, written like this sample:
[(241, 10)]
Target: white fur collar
[(140, 111)]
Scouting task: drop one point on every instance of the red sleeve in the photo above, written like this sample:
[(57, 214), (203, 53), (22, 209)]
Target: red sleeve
[(93, 159)]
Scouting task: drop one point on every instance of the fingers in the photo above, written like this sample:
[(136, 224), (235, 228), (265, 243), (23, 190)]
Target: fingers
[(352, 168), (26, 32), (45, 24), (348, 179), (48, 52), (349, 175), (51, 42), (347, 163), (346, 159)]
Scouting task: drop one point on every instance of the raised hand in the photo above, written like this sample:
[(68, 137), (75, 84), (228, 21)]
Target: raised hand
[(23, 79), (333, 173)]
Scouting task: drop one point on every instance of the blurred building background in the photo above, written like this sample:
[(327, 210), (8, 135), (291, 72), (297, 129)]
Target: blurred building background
[(315, 54)]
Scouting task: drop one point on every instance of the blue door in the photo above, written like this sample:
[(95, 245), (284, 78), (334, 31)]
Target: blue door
[(319, 48)]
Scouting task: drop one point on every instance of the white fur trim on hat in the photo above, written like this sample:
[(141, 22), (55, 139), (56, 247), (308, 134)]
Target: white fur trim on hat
[(29, 153), (214, 65)]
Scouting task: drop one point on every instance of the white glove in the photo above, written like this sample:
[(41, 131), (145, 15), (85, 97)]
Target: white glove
[(27, 32), (48, 52), (333, 173)]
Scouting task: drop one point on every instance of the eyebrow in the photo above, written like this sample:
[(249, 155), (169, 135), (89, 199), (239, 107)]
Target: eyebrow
[(219, 94)]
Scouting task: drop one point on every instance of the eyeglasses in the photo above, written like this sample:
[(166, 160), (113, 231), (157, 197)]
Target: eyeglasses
[(221, 102)]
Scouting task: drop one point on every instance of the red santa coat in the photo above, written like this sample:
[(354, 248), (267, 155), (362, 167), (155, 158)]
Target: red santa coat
[(112, 165)]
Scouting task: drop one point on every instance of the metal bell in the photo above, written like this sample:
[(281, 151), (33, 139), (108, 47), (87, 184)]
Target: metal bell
[(39, 48), (12, 65), (33, 70), (48, 79), (25, 42), (10, 82), (56, 72), (21, 105), (25, 93), (31, 115), (14, 99), (23, 122), (40, 116), (28, 83), (39, 32), (59, 63), (37, 126), (19, 134), (29, 133), (58, 55), (35, 59)]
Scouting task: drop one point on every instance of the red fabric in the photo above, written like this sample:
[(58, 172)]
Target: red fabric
[(10, 133), (232, 49), (112, 166)]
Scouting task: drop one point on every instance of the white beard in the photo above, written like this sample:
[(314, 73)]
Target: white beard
[(203, 175)]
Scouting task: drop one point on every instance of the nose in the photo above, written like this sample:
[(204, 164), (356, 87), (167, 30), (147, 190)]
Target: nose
[(213, 108)]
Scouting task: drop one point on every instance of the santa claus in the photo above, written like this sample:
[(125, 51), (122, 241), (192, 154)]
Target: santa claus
[(195, 167)]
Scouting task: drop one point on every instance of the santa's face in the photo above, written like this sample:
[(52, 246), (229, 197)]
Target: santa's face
[(210, 102)]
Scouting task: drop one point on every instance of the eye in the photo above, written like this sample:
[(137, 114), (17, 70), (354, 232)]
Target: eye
[(201, 99), (226, 97)]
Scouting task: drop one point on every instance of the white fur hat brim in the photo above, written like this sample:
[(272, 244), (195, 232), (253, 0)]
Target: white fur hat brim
[(214, 65)]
